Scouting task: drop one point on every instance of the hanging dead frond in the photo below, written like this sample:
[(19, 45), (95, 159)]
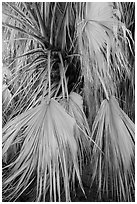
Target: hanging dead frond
[(102, 38)]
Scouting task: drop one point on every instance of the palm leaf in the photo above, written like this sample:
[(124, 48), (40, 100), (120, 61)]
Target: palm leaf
[(22, 22), (24, 31), (114, 134), (74, 107), (49, 147), (103, 58)]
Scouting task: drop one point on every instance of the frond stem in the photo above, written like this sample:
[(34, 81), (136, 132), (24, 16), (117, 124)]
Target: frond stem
[(63, 72), (49, 75)]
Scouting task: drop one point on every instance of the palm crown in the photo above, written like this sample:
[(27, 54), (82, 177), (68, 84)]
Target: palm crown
[(61, 99)]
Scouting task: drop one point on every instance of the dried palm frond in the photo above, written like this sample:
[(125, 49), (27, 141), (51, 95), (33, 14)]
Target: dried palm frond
[(101, 35), (74, 107), (115, 135), (49, 147)]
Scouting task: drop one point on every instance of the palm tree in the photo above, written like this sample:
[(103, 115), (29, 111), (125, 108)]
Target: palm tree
[(64, 64)]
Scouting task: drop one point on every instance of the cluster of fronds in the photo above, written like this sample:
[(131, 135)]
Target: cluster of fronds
[(64, 63)]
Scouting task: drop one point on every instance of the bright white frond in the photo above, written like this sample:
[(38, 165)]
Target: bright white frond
[(114, 134), (49, 146)]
